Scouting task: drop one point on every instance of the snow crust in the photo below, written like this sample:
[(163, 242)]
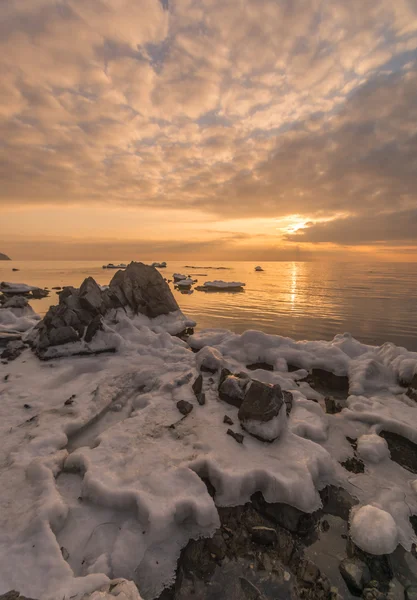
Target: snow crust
[(222, 285), (103, 465), (18, 319), (16, 288)]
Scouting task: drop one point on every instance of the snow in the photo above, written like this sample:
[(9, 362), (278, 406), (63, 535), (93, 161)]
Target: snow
[(372, 448), (16, 288), (218, 284), (17, 319), (374, 530), (103, 465), (268, 430), (187, 282)]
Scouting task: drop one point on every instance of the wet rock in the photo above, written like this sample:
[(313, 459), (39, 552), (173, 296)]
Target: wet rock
[(372, 593), (410, 592), (249, 590), (266, 536), (332, 406), (16, 302), (237, 436), (228, 420), (337, 502), (260, 365), (288, 517), (13, 350), (217, 546), (184, 407), (198, 385), (308, 572), (232, 389), (403, 451), (356, 575), (353, 465)]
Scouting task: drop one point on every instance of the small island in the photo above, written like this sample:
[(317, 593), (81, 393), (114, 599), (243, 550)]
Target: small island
[(4, 257)]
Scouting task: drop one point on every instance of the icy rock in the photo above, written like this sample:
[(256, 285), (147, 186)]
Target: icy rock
[(267, 536), (16, 302), (227, 420), (260, 412), (13, 350), (332, 406), (232, 389), (209, 359), (78, 317), (374, 530), (184, 407), (372, 448), (355, 573)]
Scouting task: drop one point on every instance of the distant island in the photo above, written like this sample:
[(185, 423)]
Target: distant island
[(4, 257)]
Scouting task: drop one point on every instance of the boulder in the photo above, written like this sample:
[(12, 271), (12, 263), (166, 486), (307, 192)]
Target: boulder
[(144, 290), (356, 574), (90, 296)]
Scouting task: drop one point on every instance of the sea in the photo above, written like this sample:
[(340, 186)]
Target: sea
[(376, 302)]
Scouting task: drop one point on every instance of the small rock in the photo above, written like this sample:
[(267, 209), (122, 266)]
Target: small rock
[(308, 571), (70, 400), (353, 465), (217, 546), (227, 420), (355, 573), (184, 407), (65, 553), (237, 436), (325, 525), (232, 389), (267, 536), (198, 385), (201, 399), (27, 406)]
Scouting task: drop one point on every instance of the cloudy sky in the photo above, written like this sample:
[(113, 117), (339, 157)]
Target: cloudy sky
[(224, 129)]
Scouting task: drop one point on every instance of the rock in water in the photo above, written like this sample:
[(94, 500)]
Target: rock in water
[(263, 411), (144, 290), (356, 574)]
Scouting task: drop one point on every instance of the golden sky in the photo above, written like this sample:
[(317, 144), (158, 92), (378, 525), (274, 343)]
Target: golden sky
[(223, 129)]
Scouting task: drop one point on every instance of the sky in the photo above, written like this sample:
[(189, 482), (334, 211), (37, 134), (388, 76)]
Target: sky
[(214, 129)]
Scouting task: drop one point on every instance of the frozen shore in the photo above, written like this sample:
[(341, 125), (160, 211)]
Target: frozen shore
[(111, 463)]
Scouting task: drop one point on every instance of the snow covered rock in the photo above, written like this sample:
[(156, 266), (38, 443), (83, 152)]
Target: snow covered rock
[(139, 289), (209, 359), (12, 350), (263, 411), (219, 285), (373, 448), (16, 302), (374, 530), (232, 389)]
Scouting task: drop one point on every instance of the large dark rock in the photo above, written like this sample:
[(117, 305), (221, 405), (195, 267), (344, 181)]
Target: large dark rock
[(78, 316), (290, 518), (144, 290), (262, 402)]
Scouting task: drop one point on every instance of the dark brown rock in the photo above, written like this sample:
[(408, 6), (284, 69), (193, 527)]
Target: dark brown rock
[(237, 436), (184, 407), (262, 402), (228, 420)]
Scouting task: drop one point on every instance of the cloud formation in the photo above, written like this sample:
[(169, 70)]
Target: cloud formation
[(232, 108)]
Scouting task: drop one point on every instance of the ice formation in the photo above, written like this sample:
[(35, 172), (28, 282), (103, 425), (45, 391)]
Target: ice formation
[(97, 459), (218, 284)]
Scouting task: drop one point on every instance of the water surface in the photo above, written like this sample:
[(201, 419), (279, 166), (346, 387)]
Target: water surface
[(303, 300)]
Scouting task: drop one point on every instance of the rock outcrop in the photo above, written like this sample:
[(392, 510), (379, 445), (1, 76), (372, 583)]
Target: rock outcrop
[(140, 289), (4, 257)]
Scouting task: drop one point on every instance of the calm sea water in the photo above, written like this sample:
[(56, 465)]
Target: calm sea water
[(303, 300)]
